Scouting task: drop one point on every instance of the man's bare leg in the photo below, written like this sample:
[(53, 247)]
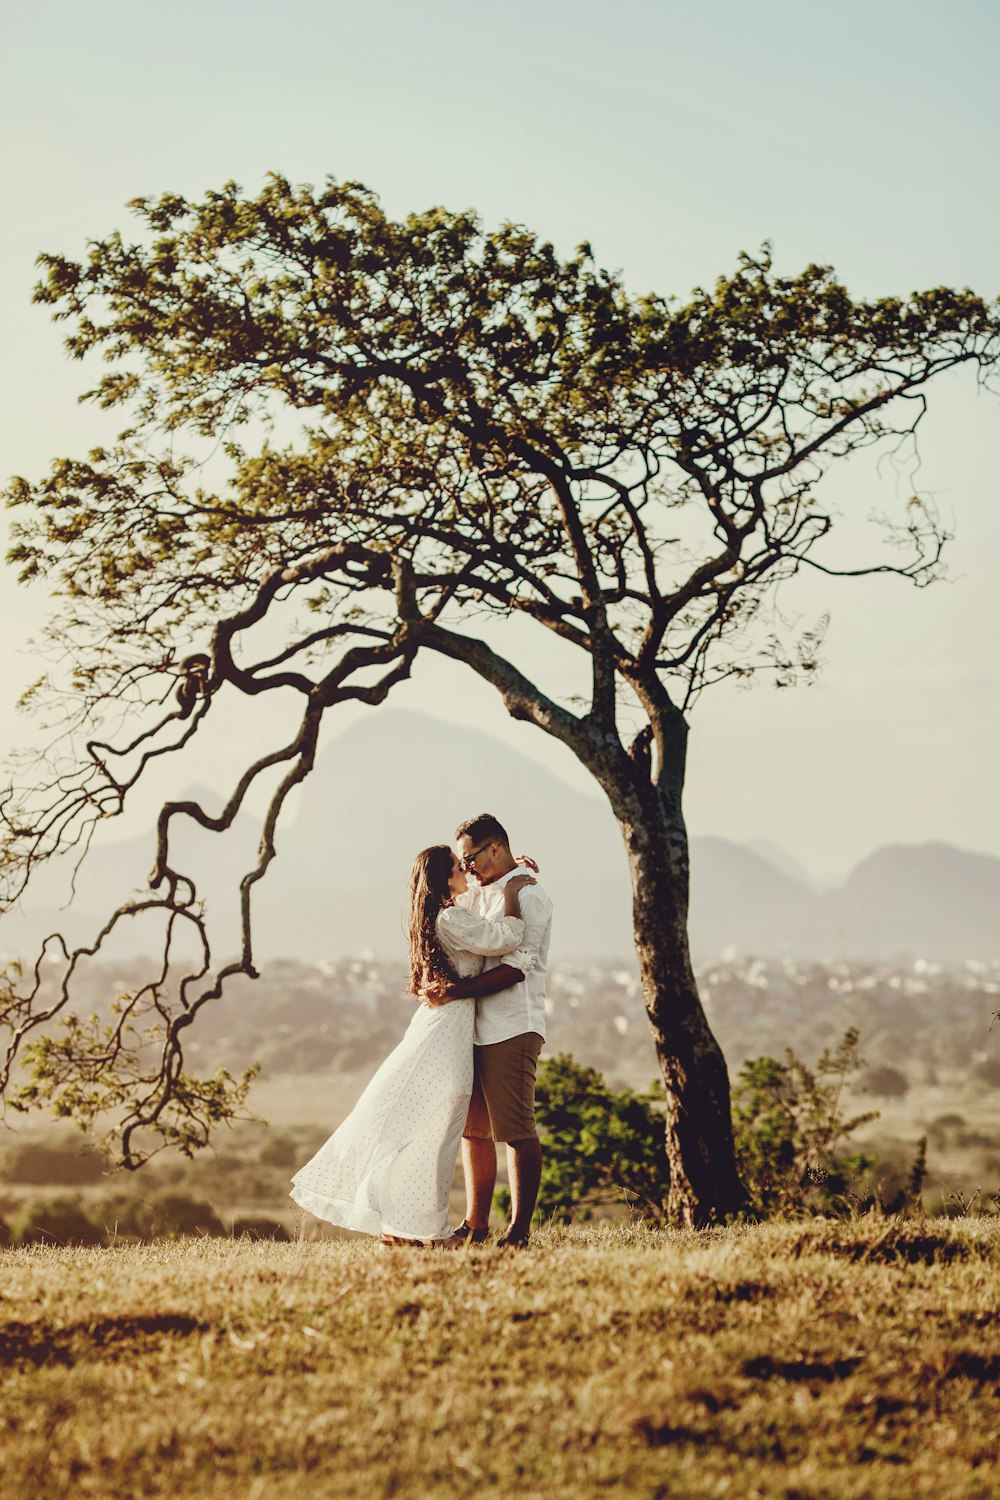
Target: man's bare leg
[(479, 1161), (524, 1164)]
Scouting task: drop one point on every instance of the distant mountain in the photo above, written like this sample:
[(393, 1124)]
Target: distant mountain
[(904, 901), (118, 869), (774, 855), (930, 900), (737, 898), (396, 782)]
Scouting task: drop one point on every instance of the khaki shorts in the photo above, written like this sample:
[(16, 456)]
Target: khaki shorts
[(502, 1107)]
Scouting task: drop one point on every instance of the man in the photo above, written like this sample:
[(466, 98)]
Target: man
[(510, 1031)]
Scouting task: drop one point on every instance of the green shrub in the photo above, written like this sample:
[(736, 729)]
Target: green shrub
[(599, 1146), (790, 1132)]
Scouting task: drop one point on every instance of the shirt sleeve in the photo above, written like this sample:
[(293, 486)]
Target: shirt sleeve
[(536, 910), (479, 935)]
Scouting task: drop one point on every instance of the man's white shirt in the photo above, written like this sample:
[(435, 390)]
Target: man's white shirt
[(521, 1008)]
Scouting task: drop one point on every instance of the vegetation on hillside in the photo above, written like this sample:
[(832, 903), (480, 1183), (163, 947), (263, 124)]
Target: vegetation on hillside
[(794, 1125), (791, 1123), (303, 1018)]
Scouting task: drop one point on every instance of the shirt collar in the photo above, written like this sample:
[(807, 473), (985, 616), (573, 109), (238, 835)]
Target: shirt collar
[(501, 881)]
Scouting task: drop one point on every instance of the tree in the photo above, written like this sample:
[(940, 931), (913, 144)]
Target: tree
[(475, 430), (886, 1083)]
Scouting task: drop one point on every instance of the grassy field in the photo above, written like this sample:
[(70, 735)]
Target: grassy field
[(829, 1359)]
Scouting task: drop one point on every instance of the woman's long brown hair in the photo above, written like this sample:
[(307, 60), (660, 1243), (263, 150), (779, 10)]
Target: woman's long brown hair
[(428, 892)]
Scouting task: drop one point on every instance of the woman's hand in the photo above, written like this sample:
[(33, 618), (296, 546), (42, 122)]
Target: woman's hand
[(436, 991), (527, 861), (516, 882)]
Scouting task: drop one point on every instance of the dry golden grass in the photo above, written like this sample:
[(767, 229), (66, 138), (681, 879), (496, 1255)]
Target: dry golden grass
[(788, 1360)]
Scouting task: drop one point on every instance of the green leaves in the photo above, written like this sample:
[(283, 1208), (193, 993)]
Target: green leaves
[(790, 1130), (600, 1145), (467, 386)]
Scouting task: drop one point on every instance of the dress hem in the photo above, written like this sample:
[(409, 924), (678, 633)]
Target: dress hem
[(349, 1216)]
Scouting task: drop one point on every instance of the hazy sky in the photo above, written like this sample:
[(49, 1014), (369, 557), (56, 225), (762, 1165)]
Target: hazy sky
[(670, 136)]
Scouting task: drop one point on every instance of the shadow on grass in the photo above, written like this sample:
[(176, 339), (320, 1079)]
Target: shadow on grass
[(39, 1344)]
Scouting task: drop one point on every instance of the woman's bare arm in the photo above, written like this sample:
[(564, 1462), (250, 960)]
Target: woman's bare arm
[(478, 987)]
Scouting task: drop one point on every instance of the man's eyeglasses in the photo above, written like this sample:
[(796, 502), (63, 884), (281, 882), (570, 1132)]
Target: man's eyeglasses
[(468, 861)]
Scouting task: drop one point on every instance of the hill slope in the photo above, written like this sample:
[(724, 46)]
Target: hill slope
[(398, 781)]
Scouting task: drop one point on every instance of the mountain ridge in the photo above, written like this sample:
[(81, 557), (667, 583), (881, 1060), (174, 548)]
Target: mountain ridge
[(397, 781)]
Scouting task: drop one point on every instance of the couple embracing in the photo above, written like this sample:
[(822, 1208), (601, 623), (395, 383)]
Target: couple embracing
[(479, 930)]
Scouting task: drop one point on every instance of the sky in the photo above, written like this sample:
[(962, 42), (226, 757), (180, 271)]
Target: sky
[(670, 136)]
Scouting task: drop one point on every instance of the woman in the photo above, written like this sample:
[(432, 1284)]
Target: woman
[(388, 1169)]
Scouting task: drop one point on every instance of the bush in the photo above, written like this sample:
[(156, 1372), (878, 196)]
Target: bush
[(170, 1214), (164, 1215), (791, 1137), (259, 1228), (63, 1221), (899, 1182), (886, 1083), (789, 1131), (943, 1127), (279, 1151), (40, 1162), (599, 1146), (988, 1072), (6, 1238)]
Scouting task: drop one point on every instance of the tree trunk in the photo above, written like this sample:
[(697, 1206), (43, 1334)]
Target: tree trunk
[(704, 1184)]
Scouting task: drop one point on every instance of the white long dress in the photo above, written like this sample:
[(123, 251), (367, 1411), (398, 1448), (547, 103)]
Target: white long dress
[(388, 1169)]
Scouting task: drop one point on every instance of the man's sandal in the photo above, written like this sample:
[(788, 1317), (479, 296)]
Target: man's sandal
[(464, 1235), (512, 1240)]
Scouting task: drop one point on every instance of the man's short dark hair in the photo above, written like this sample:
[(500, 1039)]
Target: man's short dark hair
[(483, 829)]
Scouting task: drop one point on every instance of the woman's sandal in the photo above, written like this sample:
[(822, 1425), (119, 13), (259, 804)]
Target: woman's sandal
[(396, 1242)]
